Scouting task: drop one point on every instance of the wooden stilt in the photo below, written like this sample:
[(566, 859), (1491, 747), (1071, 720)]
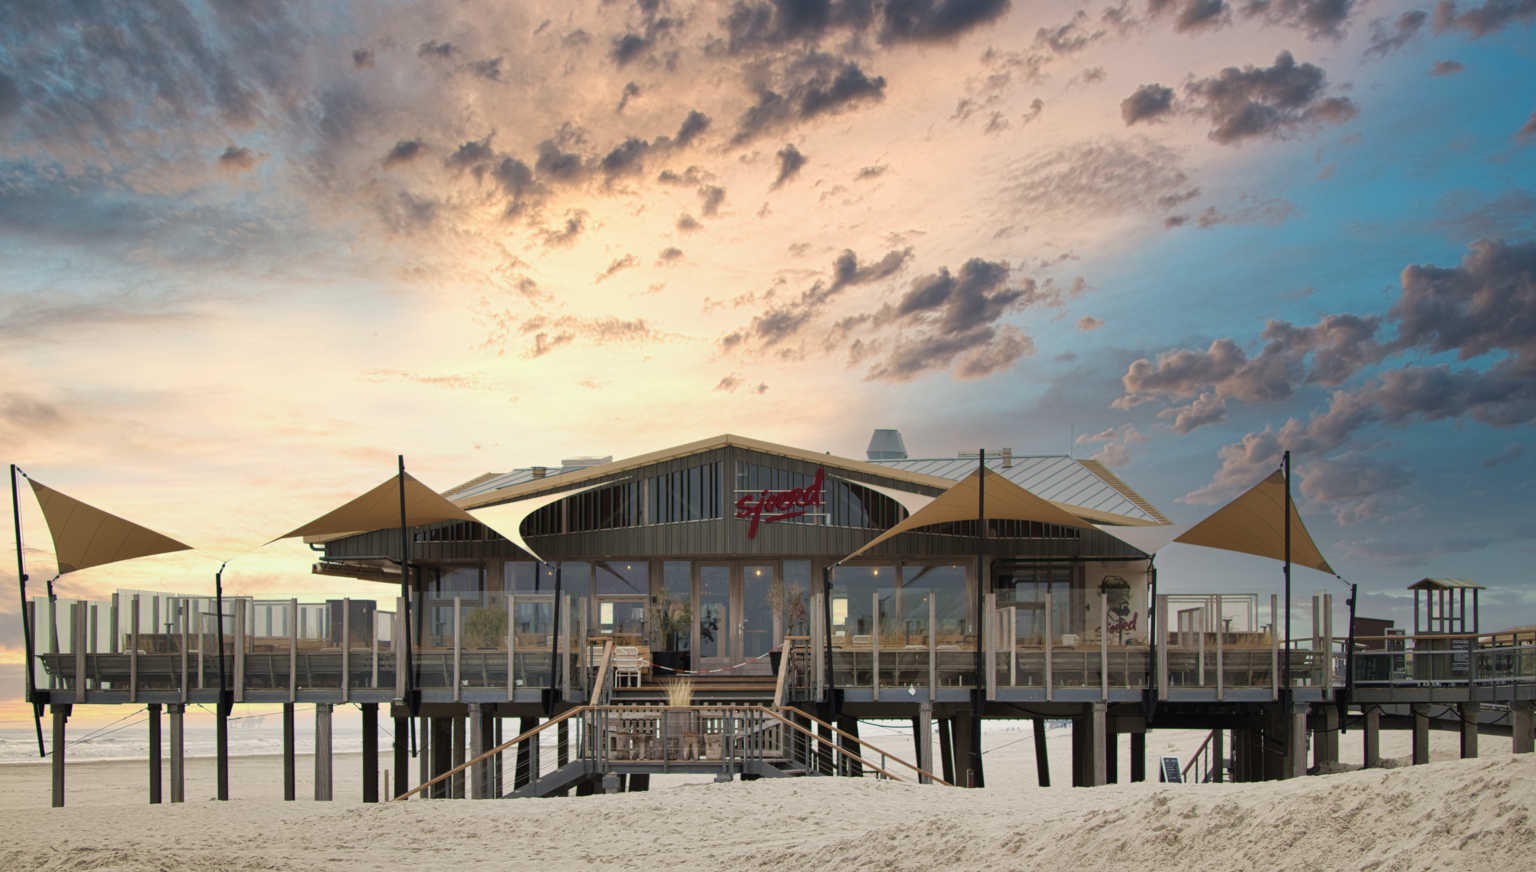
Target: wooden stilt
[(1042, 759), (457, 790), (177, 714), (290, 789), (946, 749), (1420, 735), (60, 716), (323, 752), (1138, 757), (1470, 712), (1100, 720), (1372, 736), (154, 753), (370, 751), (402, 755)]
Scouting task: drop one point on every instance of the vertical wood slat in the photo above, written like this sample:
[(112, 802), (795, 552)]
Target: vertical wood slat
[(113, 624), (240, 614), (397, 648), (512, 647), (77, 646), (184, 619), (458, 643), (933, 646), (1162, 646), (373, 633), (563, 645), (90, 640), (1221, 675), (1103, 648), (1013, 646), (293, 649), (1050, 638), (1274, 647), (989, 644), (197, 619), (346, 649), (133, 652), (874, 649)]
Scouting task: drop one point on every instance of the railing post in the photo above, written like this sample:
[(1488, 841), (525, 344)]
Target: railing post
[(1162, 646), (133, 652), (989, 644), (398, 633), (874, 672), (77, 642), (933, 646), (184, 619), (239, 643), (1274, 649), (511, 647), (293, 651), (346, 649), (1221, 676), (1104, 645), (373, 642), (1050, 680)]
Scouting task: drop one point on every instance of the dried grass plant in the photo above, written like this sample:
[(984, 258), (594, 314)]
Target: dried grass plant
[(679, 692)]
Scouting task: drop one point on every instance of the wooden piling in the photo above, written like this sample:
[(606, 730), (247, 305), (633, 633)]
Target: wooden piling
[(1522, 722), (290, 790), (1420, 735), (370, 751), (323, 752), (1470, 712), (177, 714), (1372, 754), (154, 753), (402, 755), (1138, 757), (60, 716)]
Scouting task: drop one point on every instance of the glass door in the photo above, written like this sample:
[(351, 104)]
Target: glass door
[(713, 627), (758, 594)]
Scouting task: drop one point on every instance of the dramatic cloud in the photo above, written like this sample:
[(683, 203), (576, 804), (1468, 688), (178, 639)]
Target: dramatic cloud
[(1479, 21), (1249, 102), (829, 91), (1387, 38), (1482, 309), (1319, 18), (783, 321), (237, 159), (628, 261), (669, 255), (1148, 103), (1088, 322), (1100, 177), (405, 151), (1447, 68), (790, 163)]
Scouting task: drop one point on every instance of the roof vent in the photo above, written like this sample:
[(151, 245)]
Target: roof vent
[(583, 462), (886, 445), (539, 472)]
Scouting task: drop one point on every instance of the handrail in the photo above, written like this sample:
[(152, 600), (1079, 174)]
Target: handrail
[(786, 653), (844, 751), (600, 686), (873, 748), (1201, 750), (494, 751)]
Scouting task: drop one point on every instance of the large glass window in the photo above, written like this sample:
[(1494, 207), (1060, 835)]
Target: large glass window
[(795, 611), (854, 619), (1027, 587), (674, 606), (691, 494), (714, 611), (946, 587), (622, 577)]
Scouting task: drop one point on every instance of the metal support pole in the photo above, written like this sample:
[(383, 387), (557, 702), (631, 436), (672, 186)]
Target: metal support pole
[(60, 717), (1287, 665), (402, 756), (978, 701), (221, 711), (1100, 773), (370, 751), (1042, 759), (29, 669)]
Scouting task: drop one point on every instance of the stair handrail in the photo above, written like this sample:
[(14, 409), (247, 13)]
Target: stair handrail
[(494, 751), (601, 692), (844, 751), (1184, 773), (936, 779), (786, 659)]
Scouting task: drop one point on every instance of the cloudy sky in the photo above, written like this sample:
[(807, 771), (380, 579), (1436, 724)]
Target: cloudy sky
[(249, 252)]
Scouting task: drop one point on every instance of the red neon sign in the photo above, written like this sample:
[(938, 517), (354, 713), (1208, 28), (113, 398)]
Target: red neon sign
[(770, 506)]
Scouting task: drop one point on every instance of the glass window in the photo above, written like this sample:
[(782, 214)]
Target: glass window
[(575, 579), (525, 577), (623, 578), (796, 609), (714, 611), (1028, 585), (674, 608), (456, 581), (855, 587), (951, 604)]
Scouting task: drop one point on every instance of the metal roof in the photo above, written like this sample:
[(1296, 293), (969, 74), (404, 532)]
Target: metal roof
[(494, 482), (1056, 478), (1446, 584)]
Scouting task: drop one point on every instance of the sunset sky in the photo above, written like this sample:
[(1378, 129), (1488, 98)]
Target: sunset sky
[(250, 252)]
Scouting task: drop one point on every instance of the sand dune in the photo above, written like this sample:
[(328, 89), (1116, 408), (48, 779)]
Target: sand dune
[(1472, 814)]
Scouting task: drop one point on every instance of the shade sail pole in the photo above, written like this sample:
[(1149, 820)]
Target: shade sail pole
[(26, 625), (978, 703), (412, 703), (554, 648), (1287, 671), (226, 696)]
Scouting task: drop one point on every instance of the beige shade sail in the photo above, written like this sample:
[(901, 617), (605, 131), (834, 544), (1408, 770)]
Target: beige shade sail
[(1254, 523), (85, 536), (379, 509), (507, 518), (1005, 501)]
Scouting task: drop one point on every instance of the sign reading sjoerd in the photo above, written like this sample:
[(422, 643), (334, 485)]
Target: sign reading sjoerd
[(770, 506)]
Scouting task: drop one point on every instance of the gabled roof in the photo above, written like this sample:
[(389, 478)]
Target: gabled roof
[(1446, 584), (1078, 484), (1061, 480)]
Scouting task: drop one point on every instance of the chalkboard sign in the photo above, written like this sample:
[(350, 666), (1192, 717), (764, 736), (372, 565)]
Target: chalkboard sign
[(1171, 771), (1461, 657)]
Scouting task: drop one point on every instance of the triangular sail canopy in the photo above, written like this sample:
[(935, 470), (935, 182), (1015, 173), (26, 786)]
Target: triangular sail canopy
[(507, 518), (379, 509), (1254, 523), (85, 536), (1004, 501)]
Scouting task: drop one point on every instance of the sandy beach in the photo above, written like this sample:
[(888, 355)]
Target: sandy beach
[(1470, 814)]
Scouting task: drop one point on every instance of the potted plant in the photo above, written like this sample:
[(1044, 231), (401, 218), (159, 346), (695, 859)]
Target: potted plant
[(485, 628), (673, 619)]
